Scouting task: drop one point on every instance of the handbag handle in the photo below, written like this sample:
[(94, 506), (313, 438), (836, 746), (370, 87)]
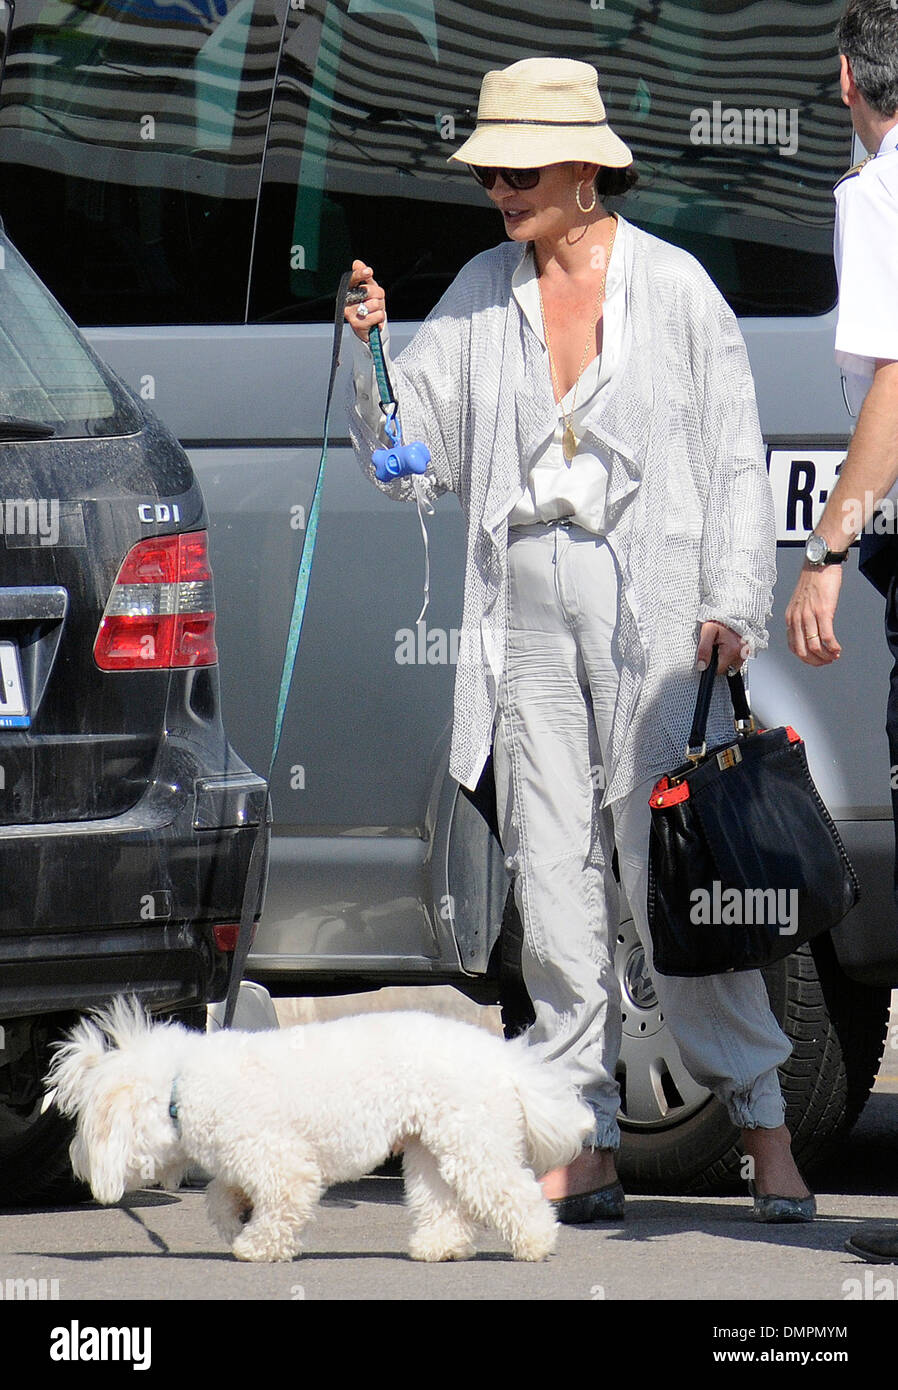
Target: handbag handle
[(742, 716)]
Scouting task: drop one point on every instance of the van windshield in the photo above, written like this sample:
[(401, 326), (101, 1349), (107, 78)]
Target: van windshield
[(50, 381)]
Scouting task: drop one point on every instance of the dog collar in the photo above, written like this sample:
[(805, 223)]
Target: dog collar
[(173, 1107)]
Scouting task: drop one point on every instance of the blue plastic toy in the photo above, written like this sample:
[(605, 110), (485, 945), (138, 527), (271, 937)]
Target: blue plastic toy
[(401, 459)]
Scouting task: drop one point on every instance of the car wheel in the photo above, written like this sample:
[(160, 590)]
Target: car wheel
[(676, 1137), (34, 1137)]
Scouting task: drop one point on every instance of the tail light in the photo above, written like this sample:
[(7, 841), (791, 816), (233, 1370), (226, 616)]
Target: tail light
[(226, 935), (161, 611)]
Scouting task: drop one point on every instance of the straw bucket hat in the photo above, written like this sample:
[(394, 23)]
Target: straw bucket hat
[(542, 111)]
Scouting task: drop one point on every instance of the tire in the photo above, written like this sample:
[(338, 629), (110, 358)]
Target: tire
[(35, 1168), (837, 1029), (34, 1142), (676, 1137)]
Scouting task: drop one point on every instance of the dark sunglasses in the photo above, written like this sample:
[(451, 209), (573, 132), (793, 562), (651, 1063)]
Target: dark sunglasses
[(519, 179)]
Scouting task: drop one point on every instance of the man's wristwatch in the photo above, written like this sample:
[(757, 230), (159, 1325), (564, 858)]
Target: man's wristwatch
[(818, 553)]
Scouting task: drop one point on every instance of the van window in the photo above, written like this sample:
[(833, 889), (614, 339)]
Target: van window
[(48, 376), (132, 136), (732, 112), (131, 141)]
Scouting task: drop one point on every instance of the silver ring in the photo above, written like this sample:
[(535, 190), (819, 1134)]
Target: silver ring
[(732, 671), (361, 312)]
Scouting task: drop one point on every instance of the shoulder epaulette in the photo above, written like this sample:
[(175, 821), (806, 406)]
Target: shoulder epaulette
[(852, 173)]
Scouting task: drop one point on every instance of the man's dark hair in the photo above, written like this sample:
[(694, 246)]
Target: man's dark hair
[(868, 36)]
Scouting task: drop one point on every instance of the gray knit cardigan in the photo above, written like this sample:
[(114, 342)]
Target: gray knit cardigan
[(689, 511)]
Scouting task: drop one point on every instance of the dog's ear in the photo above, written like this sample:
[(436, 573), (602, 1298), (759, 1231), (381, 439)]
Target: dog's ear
[(103, 1150)]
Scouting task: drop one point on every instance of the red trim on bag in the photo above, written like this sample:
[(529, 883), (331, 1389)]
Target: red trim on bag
[(792, 735), (665, 795)]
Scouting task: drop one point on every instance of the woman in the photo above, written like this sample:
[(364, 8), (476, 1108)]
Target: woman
[(585, 390)]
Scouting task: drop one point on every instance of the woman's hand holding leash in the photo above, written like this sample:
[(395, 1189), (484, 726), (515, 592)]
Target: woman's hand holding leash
[(365, 302), (364, 314)]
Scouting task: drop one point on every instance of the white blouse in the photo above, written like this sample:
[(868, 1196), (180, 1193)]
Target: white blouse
[(555, 487)]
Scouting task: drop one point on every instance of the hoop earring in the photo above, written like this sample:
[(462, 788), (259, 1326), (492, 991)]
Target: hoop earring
[(577, 196)]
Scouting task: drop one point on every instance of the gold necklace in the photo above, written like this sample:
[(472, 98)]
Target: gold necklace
[(569, 441)]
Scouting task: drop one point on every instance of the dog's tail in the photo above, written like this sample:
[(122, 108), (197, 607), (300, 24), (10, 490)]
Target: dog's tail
[(556, 1121), (87, 1044)]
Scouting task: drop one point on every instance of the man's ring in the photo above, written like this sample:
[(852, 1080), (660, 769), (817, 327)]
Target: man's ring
[(732, 671), (361, 312)]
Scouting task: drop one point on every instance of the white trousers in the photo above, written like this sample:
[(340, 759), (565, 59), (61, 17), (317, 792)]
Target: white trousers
[(552, 730)]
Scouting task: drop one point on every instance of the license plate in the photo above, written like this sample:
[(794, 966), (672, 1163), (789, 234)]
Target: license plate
[(13, 709)]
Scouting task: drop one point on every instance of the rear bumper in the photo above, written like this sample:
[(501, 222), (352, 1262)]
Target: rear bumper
[(170, 965), (129, 903)]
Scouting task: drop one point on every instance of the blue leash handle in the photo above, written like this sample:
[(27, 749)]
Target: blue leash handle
[(400, 460), (375, 343)]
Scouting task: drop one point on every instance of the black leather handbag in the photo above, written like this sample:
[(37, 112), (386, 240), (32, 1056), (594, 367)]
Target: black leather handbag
[(745, 863)]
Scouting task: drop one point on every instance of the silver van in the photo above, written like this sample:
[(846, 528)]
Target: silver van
[(190, 179)]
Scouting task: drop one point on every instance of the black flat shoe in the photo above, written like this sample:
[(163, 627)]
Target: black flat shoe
[(768, 1207), (878, 1245), (601, 1204)]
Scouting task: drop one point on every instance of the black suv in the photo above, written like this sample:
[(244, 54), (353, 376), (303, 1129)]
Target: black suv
[(126, 819)]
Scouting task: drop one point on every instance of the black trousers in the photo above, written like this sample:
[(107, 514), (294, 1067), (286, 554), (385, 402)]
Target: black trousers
[(891, 629), (878, 562)]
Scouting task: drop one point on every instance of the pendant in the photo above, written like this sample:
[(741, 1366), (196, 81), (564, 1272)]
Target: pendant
[(569, 443)]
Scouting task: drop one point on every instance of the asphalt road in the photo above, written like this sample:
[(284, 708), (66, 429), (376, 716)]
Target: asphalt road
[(159, 1245)]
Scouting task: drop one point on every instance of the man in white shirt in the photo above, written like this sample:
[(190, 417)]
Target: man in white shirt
[(866, 253)]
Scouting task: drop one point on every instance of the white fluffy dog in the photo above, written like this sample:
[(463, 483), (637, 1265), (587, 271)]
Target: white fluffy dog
[(277, 1117)]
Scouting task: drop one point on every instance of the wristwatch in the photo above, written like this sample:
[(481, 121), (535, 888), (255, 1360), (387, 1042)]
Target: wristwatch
[(817, 552)]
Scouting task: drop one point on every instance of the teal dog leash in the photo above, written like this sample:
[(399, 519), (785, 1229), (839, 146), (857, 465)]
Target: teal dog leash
[(259, 857)]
